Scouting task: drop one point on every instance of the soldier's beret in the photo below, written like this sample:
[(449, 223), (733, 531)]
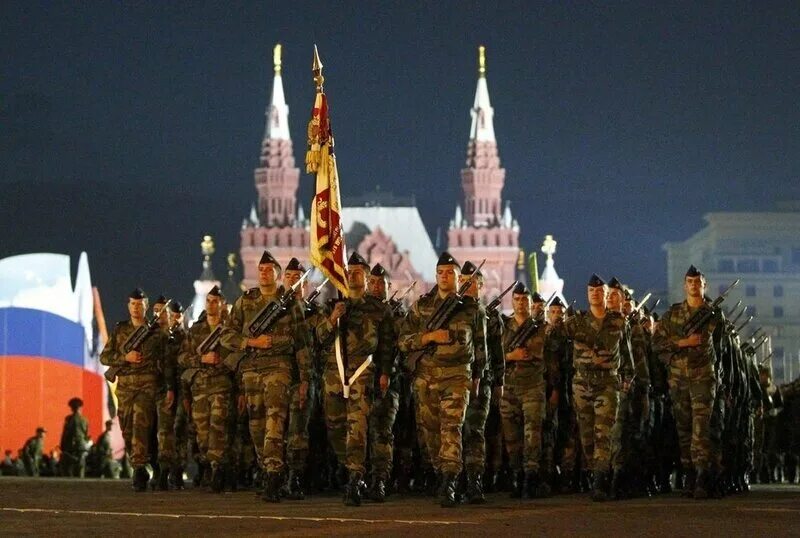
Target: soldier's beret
[(447, 259), (596, 281), (537, 298), (615, 284), (357, 259), (693, 271), (378, 270), (160, 300), (176, 306), (137, 293), (468, 268), (521, 289), (268, 258), (627, 293), (295, 265), (75, 403), (215, 292), (556, 302)]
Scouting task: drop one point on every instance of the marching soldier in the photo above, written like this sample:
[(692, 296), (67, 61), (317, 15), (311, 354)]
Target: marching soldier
[(74, 439), (32, 452), (601, 371), (108, 467), (266, 366), (692, 381), (356, 338), (139, 382), (523, 405), (386, 404), (447, 372), (210, 388), (490, 389)]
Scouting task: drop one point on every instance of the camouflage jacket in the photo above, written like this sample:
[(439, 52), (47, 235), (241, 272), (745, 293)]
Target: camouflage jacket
[(289, 336), (153, 350), (75, 434), (670, 331), (370, 331), (557, 352), (203, 378), (467, 328), (600, 344), (541, 365), (639, 353), (170, 367), (495, 373)]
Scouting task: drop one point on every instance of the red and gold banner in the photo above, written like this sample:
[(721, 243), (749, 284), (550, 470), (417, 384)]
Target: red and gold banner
[(328, 252)]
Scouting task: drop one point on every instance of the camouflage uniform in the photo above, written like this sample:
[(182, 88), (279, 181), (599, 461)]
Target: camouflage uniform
[(692, 384), (210, 388), (443, 377), (267, 375), (370, 332), (599, 363), (558, 352), (108, 467), (172, 420), (137, 388), (74, 437), (32, 455)]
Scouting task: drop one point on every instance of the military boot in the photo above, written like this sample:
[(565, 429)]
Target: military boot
[(447, 493), (272, 488), (616, 490), (517, 484), (217, 478), (432, 483), (163, 479), (294, 486), (403, 482), (600, 489), (475, 489), (352, 491), (377, 492), (536, 486), (197, 480), (689, 483), (176, 477), (140, 479), (702, 483)]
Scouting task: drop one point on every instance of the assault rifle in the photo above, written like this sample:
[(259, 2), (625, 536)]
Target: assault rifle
[(441, 317), (521, 336), (397, 303), (266, 318), (744, 324), (706, 312), (134, 342), (314, 294), (491, 308), (211, 341)]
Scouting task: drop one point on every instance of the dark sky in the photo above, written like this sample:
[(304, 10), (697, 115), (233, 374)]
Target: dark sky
[(130, 129)]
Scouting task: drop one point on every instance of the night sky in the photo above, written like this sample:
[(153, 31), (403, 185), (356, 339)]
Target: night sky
[(130, 129)]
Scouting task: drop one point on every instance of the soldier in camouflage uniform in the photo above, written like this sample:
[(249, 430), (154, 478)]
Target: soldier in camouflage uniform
[(522, 408), (139, 382), (210, 387), (32, 452), (108, 467), (450, 368), (491, 389), (74, 438), (602, 370), (386, 404), (266, 366), (692, 381)]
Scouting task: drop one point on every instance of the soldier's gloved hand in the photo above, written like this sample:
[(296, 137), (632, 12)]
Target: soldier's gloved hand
[(262, 342), (497, 395), (170, 399), (440, 336), (212, 357), (338, 311), (692, 341), (134, 357), (384, 383), (241, 404), (302, 393), (476, 387)]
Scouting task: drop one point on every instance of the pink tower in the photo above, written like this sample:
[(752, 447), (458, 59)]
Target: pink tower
[(485, 229), (278, 225)]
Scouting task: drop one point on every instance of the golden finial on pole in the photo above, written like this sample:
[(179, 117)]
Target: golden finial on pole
[(207, 246), (276, 57), (316, 68), (482, 61)]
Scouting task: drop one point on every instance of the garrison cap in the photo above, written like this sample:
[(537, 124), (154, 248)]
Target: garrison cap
[(536, 297), (468, 268), (693, 271), (357, 259), (447, 259), (556, 302), (378, 270), (521, 289), (215, 292), (138, 293), (295, 265), (268, 258), (75, 403), (176, 306), (596, 281), (615, 284)]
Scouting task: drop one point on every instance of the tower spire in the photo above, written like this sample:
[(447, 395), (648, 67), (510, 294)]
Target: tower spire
[(277, 111), (482, 113)]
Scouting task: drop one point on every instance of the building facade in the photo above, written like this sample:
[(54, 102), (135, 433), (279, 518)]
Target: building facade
[(763, 250)]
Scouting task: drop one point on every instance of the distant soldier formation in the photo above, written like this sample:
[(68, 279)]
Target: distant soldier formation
[(448, 396)]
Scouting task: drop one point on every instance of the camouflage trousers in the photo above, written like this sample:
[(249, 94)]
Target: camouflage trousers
[(475, 429), (73, 464), (692, 392), (347, 418), (297, 428), (442, 395), (381, 433), (494, 439), (210, 416), (136, 395), (566, 438), (596, 400), (523, 410), (172, 435), (267, 398)]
